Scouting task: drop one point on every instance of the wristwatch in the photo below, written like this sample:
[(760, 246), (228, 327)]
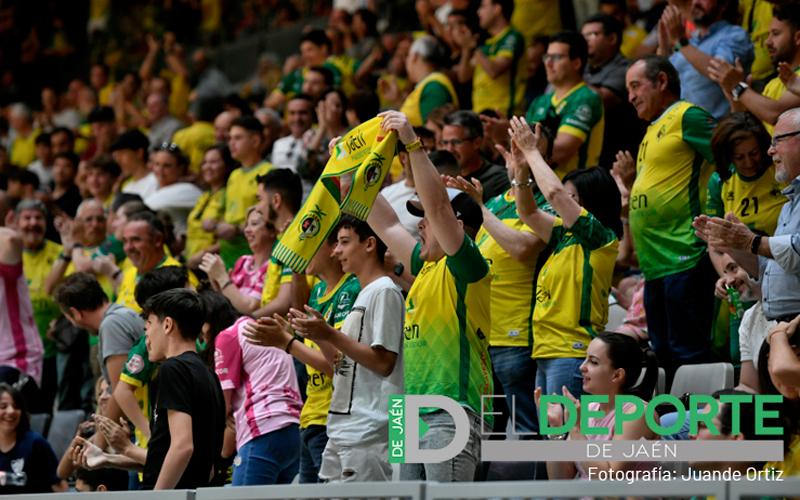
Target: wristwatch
[(681, 43), (738, 90)]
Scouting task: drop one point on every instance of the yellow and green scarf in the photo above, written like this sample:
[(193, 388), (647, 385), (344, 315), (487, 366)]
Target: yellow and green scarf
[(361, 159)]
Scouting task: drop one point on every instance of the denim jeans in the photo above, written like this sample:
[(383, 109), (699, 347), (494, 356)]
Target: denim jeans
[(679, 309), (516, 371), (273, 458), (314, 438), (553, 373), (441, 430)]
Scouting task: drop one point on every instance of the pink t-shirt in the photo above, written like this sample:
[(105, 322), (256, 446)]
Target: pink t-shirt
[(20, 344), (247, 278), (266, 395)]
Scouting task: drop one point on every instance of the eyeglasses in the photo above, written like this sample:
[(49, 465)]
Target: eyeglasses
[(779, 138), (454, 142), (553, 57)]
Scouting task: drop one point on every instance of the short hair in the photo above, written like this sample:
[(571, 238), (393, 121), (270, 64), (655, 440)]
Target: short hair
[(445, 162), (611, 25), (131, 207), (468, 120), (21, 110), (81, 291), (370, 20), (622, 4), (653, 65), (31, 204), (42, 139), (155, 225), (104, 114), (105, 164), (112, 479), (24, 177), (747, 414), (318, 37), (578, 49), (787, 12), (71, 157), (160, 280), (285, 182), (506, 6), (249, 123), (430, 50), (730, 131), (364, 103), (599, 195), (123, 198), (327, 74), (63, 130), (364, 231), (303, 97), (183, 306)]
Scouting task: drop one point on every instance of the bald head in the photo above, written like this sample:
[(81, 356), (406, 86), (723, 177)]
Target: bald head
[(92, 217), (91, 205)]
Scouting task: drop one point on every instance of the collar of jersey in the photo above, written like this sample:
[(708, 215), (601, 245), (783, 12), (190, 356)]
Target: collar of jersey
[(498, 36), (556, 101), (663, 113)]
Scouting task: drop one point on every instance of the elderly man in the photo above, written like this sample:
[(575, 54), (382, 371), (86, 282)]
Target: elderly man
[(774, 259)]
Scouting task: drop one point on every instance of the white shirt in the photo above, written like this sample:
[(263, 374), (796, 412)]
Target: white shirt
[(177, 200), (144, 187)]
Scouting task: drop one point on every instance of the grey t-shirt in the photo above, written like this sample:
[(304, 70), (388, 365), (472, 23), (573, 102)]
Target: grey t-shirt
[(120, 329)]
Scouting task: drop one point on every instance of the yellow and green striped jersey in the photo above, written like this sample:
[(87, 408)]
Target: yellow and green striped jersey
[(335, 305), (580, 114), (447, 318), (513, 289), (572, 288), (505, 92), (756, 201), (673, 166), (431, 92)]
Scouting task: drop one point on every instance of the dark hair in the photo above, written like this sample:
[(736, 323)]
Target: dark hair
[(133, 206), (470, 17), (626, 353), (63, 130), (364, 103), (106, 164), (183, 306), (318, 37), (227, 159), (370, 20), (235, 101), (445, 162), (20, 404), (654, 65), (152, 220), (81, 291), (364, 231), (611, 25), (220, 314), (24, 177), (71, 157), (469, 120), (104, 114), (787, 12), (207, 108), (249, 123), (43, 138), (160, 280), (302, 97), (746, 415), (175, 151), (622, 4), (285, 182), (599, 195), (577, 45), (123, 198), (327, 74), (507, 6), (342, 98), (729, 132), (112, 479)]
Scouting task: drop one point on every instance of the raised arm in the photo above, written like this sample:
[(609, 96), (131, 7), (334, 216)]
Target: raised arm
[(383, 220)]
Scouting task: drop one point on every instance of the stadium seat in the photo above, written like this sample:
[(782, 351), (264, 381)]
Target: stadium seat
[(616, 315), (39, 423), (661, 383), (63, 428), (702, 379)]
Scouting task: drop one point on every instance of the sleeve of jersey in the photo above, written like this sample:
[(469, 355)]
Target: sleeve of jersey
[(590, 232), (580, 117), (433, 95), (697, 127), (137, 369), (228, 359), (714, 206), (468, 264), (286, 275)]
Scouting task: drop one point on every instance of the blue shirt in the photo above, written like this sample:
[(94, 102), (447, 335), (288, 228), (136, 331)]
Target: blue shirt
[(780, 275), (724, 41)]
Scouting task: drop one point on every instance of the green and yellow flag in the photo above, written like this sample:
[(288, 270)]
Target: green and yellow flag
[(349, 184)]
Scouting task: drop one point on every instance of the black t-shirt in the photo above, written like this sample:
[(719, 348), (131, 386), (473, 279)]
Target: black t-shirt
[(188, 386), (32, 455)]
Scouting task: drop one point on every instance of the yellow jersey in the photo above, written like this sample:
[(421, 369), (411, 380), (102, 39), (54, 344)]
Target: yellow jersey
[(756, 201), (431, 92), (194, 140), (774, 90), (36, 266), (536, 17), (756, 17), (240, 195), (505, 92), (130, 277), (23, 149), (210, 205)]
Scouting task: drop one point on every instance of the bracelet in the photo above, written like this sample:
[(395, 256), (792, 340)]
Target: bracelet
[(289, 344), (516, 183), (755, 244), (414, 145), (226, 285)]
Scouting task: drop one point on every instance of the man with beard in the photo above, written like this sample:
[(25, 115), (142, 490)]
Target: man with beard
[(783, 45), (715, 36)]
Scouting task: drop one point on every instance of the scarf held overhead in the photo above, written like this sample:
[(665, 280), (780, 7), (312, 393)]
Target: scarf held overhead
[(360, 161)]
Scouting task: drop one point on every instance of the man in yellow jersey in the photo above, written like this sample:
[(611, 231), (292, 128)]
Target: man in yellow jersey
[(432, 88), (496, 68), (245, 143), (572, 109), (38, 257), (462, 135), (280, 195), (143, 240), (783, 45), (673, 166), (447, 309), (22, 134)]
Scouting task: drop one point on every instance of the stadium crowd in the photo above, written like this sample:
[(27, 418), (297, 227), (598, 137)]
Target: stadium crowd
[(555, 160)]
